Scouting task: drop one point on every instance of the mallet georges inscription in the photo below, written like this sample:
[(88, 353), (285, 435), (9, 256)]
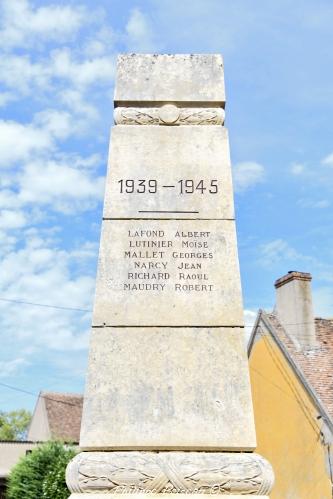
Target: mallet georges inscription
[(162, 246), (155, 259), (161, 257)]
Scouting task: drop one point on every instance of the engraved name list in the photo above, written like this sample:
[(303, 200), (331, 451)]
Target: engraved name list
[(158, 259)]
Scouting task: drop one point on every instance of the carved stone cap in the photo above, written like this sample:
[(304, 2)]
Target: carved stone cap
[(170, 472), (164, 78)]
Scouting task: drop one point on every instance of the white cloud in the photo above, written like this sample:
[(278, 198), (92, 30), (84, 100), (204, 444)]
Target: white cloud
[(82, 73), (247, 174), (277, 251), (88, 162), (39, 273), (57, 72), (20, 73), (328, 160), (59, 185), (18, 142), (10, 367), (322, 203), (61, 76), (65, 182), (139, 33), (5, 98), (311, 203), (249, 319), (8, 199), (102, 42), (12, 219), (59, 124), (297, 168), (7, 242), (75, 101), (23, 25)]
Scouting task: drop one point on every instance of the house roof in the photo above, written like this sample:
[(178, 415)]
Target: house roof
[(64, 411), (315, 366)]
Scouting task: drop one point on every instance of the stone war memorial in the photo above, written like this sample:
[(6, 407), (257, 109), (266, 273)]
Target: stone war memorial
[(167, 406)]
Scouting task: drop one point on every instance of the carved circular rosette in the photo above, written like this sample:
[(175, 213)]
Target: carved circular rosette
[(173, 472), (169, 115)]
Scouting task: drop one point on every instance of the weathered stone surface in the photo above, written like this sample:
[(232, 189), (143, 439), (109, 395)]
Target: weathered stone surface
[(167, 388), (169, 114), (168, 375), (169, 172), (170, 78), (170, 472), (157, 496), (193, 280)]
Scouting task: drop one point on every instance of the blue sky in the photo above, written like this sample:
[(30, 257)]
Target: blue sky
[(57, 71)]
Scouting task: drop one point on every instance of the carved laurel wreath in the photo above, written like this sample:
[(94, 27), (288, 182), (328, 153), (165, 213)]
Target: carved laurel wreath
[(168, 114), (162, 472)]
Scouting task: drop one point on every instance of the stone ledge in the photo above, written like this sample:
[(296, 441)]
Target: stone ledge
[(183, 473), (170, 115), (166, 496)]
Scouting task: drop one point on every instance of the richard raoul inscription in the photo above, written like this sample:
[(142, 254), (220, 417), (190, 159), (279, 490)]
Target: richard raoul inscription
[(155, 263), (172, 262)]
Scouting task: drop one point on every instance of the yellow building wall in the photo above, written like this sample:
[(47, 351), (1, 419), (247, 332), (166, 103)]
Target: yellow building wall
[(288, 431)]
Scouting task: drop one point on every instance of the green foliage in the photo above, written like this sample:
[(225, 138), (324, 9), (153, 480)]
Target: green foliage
[(41, 474), (54, 485), (14, 424)]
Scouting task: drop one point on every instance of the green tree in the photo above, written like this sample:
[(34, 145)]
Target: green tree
[(14, 424), (41, 474), (54, 484)]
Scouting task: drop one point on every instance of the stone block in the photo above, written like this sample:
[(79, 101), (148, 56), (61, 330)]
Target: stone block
[(166, 496), (168, 273), (167, 389), (169, 172), (170, 78), (214, 473)]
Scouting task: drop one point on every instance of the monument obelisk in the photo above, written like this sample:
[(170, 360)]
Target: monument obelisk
[(167, 406)]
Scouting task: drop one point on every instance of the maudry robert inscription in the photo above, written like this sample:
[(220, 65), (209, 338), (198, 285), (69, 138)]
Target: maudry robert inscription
[(157, 259), (160, 265)]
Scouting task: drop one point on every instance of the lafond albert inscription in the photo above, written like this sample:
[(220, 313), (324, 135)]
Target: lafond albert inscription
[(157, 269), (158, 259)]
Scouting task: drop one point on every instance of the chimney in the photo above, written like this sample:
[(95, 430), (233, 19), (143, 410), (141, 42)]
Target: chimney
[(294, 308)]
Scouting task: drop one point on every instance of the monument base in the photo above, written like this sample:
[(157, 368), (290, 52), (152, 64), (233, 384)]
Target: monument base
[(138, 473), (166, 496)]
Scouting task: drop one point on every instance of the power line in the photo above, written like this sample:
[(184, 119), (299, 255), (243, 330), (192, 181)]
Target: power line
[(46, 397), (22, 302), (274, 384), (74, 309), (286, 375)]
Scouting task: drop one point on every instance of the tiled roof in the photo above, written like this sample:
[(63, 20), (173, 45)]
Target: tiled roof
[(64, 411), (315, 364)]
